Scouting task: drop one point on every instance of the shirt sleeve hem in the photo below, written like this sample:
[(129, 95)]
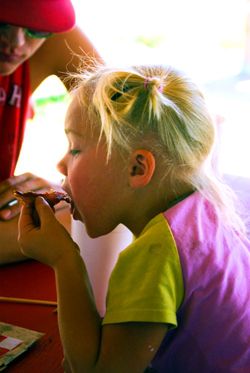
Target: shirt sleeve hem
[(140, 316)]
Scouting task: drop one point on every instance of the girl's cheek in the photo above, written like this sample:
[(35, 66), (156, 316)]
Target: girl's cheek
[(75, 183)]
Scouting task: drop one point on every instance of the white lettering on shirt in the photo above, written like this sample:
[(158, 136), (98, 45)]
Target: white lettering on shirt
[(16, 96), (2, 96)]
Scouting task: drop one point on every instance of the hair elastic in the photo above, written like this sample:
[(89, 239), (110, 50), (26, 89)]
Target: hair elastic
[(160, 88), (146, 84)]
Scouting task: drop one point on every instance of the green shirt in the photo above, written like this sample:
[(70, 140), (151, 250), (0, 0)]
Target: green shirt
[(146, 284)]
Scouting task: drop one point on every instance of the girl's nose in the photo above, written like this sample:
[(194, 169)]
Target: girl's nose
[(61, 166)]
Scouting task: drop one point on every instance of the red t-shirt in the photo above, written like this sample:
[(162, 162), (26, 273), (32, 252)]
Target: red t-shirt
[(14, 100)]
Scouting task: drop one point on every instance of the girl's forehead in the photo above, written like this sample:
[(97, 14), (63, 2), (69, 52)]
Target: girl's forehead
[(76, 117), (77, 121)]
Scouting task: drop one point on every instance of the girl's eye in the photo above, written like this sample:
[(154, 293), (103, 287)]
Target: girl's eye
[(74, 151)]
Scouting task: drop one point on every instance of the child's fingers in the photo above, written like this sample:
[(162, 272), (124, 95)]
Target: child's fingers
[(32, 217), (25, 221), (45, 212)]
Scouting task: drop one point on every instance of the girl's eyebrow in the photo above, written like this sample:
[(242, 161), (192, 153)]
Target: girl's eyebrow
[(70, 130)]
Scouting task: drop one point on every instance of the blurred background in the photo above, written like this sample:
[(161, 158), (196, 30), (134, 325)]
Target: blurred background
[(209, 39)]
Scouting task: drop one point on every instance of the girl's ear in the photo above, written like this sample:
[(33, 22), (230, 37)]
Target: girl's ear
[(142, 167)]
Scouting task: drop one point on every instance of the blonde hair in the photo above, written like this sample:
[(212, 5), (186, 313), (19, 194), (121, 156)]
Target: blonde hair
[(160, 107)]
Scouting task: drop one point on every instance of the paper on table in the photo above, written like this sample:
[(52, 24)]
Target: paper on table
[(14, 341)]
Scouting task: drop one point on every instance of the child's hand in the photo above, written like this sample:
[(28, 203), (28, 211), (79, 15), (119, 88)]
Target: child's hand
[(50, 242)]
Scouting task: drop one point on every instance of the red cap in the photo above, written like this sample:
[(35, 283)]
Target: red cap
[(40, 15)]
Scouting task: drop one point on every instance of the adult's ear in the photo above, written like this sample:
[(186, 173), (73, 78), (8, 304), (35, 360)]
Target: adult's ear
[(142, 167)]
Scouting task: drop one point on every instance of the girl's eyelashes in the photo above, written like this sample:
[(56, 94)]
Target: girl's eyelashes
[(74, 152)]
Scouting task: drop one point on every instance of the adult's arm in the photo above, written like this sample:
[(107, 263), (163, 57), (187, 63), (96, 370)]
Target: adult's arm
[(9, 251), (60, 54)]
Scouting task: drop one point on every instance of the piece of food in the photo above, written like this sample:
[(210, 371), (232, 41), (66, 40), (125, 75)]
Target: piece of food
[(52, 197)]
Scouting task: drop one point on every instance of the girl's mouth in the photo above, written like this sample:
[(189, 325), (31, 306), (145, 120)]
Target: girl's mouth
[(73, 209), (76, 215)]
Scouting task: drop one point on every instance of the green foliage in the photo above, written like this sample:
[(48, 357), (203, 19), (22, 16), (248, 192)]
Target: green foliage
[(152, 41)]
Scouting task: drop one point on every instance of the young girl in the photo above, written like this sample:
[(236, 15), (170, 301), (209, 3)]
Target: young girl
[(140, 142)]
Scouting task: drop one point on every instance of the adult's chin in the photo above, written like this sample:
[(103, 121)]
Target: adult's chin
[(7, 69), (9, 63)]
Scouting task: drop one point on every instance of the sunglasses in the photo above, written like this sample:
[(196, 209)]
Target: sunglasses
[(28, 32)]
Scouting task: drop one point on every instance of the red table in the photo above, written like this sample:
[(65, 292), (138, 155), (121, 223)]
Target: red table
[(32, 280)]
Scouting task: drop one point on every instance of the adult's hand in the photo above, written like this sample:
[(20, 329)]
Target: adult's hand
[(9, 206)]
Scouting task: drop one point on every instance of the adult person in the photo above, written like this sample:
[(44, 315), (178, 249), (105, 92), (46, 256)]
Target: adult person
[(37, 39)]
